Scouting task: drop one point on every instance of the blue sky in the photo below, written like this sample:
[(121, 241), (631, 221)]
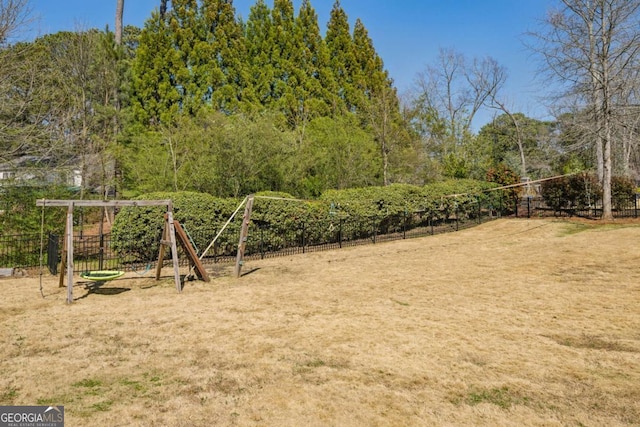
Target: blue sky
[(407, 34)]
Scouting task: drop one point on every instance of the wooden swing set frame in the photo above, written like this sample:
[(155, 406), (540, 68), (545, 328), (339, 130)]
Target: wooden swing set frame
[(172, 235)]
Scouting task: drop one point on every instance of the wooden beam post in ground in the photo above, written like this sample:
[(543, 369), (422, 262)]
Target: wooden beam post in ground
[(190, 252), (244, 233), (70, 265), (174, 251), (163, 241)]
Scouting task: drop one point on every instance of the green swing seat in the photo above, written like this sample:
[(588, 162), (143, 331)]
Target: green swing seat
[(101, 275)]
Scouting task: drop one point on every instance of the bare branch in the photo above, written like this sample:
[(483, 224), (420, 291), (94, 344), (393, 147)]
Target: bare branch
[(14, 15)]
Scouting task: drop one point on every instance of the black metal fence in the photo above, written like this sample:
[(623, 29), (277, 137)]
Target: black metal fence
[(342, 232), (21, 251), (627, 207), (95, 252)]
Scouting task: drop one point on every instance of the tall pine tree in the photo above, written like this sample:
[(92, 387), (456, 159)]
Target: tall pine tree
[(261, 69), (154, 94), (313, 63), (369, 76), (229, 79), (342, 57), (193, 71)]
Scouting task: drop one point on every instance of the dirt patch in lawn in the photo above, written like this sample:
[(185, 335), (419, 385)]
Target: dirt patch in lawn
[(514, 322)]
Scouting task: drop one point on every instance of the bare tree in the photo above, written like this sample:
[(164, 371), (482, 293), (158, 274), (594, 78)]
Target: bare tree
[(456, 90), (20, 85), (14, 15), (502, 106), (384, 116), (589, 47), (627, 124), (119, 15)]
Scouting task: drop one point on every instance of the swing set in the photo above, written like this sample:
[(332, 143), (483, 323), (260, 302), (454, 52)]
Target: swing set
[(173, 235)]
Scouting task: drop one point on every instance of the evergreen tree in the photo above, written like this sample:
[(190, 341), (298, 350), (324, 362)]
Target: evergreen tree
[(229, 80), (369, 76), (312, 63), (191, 73), (283, 48), (272, 52), (154, 93), (261, 69), (342, 57)]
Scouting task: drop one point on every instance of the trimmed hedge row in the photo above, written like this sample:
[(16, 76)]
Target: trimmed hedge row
[(583, 190), (136, 231)]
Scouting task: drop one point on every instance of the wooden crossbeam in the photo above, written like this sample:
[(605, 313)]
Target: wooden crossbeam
[(105, 203)]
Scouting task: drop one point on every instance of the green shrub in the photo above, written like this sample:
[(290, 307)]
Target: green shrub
[(623, 191), (388, 206), (281, 221), (20, 215), (505, 176), (577, 191), (137, 230)]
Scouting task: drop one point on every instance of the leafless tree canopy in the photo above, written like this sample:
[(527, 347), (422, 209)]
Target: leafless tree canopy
[(591, 47), (14, 14), (457, 89)]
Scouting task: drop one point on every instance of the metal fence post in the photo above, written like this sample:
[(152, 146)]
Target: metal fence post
[(52, 253), (375, 229), (101, 253), (261, 242), (404, 225), (457, 225)]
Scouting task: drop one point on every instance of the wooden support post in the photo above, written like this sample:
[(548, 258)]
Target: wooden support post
[(69, 243), (163, 240), (169, 239), (174, 251), (190, 252), (244, 232)]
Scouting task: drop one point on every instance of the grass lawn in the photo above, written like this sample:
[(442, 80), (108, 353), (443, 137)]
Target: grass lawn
[(514, 322)]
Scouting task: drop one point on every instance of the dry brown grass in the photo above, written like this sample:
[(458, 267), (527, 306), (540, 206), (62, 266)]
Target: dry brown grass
[(514, 322)]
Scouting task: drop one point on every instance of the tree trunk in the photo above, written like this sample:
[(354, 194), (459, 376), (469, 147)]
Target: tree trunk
[(607, 209), (119, 15), (163, 8)]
